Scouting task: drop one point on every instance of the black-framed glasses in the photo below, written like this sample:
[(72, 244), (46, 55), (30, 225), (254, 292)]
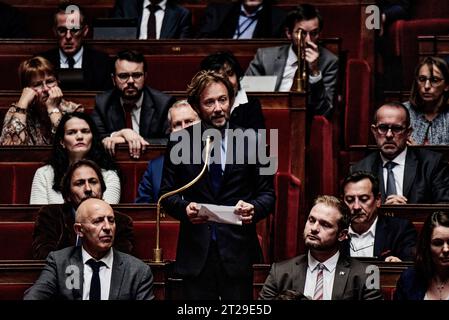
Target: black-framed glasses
[(123, 77), (395, 128), (62, 31), (434, 81)]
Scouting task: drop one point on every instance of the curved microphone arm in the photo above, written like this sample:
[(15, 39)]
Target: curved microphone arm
[(157, 252)]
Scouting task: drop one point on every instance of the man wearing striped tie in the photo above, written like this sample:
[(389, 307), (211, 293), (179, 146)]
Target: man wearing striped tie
[(323, 273)]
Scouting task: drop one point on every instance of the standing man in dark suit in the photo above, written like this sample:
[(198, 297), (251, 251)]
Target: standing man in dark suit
[(131, 112), (171, 20), (283, 61), (244, 19), (389, 239), (93, 271), (215, 259), (53, 228), (323, 273), (406, 175), (71, 55)]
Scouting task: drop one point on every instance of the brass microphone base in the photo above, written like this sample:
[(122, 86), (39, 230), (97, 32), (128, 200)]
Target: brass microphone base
[(157, 255)]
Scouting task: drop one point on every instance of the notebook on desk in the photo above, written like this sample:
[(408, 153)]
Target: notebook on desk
[(259, 83), (115, 29)]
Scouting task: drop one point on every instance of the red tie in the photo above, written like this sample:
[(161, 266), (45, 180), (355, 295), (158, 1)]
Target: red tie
[(128, 108)]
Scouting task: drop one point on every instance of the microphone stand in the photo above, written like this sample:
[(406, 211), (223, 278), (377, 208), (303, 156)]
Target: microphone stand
[(157, 252)]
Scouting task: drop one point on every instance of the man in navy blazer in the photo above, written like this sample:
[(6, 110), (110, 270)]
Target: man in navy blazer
[(131, 112), (371, 235), (176, 21), (215, 259), (420, 175), (180, 116), (245, 19), (94, 65)]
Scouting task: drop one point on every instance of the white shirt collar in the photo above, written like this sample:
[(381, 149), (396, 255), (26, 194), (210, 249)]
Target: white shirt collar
[(292, 58), (240, 98), (400, 158), (107, 258), (330, 264), (76, 57), (371, 230)]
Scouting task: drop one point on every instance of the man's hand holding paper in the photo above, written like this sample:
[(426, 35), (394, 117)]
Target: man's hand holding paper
[(242, 213)]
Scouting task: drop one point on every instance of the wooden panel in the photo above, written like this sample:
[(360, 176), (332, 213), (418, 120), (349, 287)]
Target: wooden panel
[(433, 46)]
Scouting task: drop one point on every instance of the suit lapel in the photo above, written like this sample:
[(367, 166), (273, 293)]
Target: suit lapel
[(118, 272), (115, 113), (299, 275), (378, 167), (168, 23), (139, 11), (77, 260), (340, 278), (379, 239), (146, 114), (411, 164), (279, 64)]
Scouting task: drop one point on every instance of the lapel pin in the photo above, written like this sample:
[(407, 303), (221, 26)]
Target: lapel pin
[(342, 273)]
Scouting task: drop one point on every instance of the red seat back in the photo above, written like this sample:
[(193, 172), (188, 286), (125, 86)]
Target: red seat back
[(15, 240), (145, 239)]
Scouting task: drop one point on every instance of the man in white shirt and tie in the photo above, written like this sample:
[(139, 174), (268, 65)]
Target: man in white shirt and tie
[(93, 271), (322, 273), (406, 174)]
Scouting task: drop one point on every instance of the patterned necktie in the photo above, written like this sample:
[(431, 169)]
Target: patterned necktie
[(128, 108), (95, 286), (215, 170), (391, 183), (152, 21), (318, 294)]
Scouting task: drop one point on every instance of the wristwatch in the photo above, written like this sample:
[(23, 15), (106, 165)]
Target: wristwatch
[(54, 110), (18, 109)]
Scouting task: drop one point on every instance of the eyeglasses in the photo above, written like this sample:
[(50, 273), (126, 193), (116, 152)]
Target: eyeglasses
[(50, 83), (434, 81), (312, 34), (395, 129), (62, 31), (123, 77)]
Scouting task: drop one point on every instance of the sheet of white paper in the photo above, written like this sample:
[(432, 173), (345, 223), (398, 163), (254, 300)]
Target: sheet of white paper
[(221, 214)]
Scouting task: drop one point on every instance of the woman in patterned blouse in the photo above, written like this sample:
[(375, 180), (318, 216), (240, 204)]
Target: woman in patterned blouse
[(428, 105), (34, 118)]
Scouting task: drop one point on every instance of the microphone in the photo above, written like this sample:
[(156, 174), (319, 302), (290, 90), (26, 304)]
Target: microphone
[(157, 252)]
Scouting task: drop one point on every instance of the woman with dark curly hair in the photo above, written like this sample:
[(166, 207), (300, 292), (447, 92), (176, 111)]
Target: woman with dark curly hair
[(428, 105), (76, 138), (429, 278)]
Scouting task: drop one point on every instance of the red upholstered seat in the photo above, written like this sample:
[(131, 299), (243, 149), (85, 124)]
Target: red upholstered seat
[(20, 177), (13, 291), (358, 108), (145, 239), (279, 119), (402, 42), (15, 240)]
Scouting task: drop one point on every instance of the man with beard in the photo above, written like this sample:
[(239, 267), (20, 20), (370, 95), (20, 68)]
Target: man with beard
[(215, 259), (131, 112), (323, 273), (406, 174), (387, 238), (53, 229)]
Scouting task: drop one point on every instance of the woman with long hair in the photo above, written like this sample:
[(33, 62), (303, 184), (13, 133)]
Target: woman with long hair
[(76, 138), (428, 279)]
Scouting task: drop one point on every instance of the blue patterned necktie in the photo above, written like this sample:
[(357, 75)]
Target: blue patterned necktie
[(391, 183)]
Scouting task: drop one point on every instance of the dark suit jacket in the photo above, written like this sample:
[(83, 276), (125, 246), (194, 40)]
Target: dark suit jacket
[(109, 116), (238, 245), (394, 237), (150, 185), (53, 230), (177, 23), (131, 279), (12, 24), (96, 69), (221, 20), (349, 282), (271, 61), (410, 286), (249, 115), (426, 175)]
